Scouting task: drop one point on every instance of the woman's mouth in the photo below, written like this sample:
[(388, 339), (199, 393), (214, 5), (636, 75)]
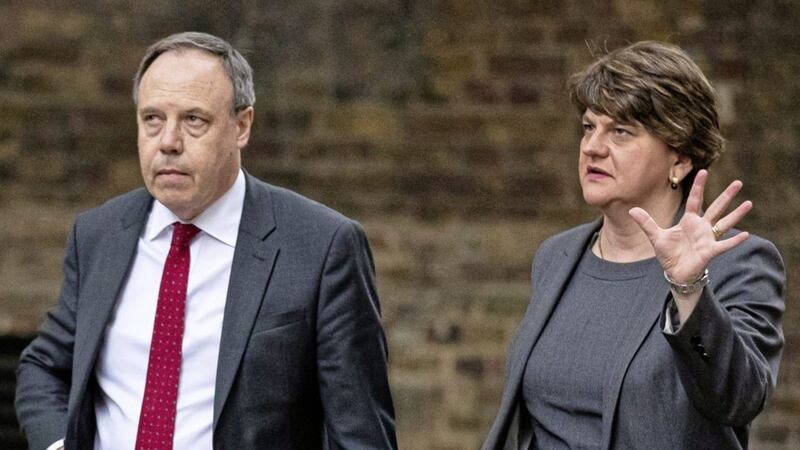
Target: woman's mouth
[(596, 173)]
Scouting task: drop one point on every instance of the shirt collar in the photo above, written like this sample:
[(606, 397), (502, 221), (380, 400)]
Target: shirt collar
[(220, 220)]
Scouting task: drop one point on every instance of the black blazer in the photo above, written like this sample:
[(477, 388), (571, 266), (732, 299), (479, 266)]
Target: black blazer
[(302, 362), (698, 388)]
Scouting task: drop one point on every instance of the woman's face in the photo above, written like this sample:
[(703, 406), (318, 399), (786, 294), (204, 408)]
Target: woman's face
[(622, 164)]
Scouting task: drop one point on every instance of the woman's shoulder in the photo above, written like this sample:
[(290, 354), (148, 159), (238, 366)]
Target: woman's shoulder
[(568, 238), (582, 231), (754, 251)]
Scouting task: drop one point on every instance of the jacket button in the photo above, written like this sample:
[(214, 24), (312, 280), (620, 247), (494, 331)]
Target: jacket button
[(699, 347)]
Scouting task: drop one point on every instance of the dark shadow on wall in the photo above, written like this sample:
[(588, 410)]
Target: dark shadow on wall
[(10, 348)]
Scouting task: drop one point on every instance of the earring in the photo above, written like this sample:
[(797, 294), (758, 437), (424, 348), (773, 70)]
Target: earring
[(673, 183)]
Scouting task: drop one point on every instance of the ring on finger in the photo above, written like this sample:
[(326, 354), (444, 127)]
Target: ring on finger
[(717, 232)]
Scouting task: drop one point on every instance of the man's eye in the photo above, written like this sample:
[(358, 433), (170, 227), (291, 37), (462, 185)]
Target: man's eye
[(587, 127), (194, 120), (621, 132), (150, 118)]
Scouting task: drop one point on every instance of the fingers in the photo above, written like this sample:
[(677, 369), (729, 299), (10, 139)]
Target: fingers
[(720, 204), (730, 221), (717, 208), (695, 200), (645, 222), (727, 244)]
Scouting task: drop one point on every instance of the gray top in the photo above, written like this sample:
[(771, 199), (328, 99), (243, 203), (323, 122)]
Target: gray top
[(660, 391), (563, 395)]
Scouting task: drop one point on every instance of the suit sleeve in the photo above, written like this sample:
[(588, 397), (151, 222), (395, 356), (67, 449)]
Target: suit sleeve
[(44, 372), (352, 350), (729, 349)]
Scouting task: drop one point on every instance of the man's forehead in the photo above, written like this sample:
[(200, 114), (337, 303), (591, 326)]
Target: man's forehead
[(187, 73), (188, 97), (186, 59)]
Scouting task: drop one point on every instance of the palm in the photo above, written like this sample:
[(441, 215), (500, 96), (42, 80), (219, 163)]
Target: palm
[(686, 249)]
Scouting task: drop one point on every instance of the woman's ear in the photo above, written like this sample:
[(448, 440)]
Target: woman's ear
[(682, 167)]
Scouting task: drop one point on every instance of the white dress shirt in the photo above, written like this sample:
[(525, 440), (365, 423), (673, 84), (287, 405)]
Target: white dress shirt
[(121, 366)]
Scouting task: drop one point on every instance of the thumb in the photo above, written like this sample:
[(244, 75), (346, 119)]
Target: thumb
[(645, 222)]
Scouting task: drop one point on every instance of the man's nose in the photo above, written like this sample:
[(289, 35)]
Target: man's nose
[(172, 138)]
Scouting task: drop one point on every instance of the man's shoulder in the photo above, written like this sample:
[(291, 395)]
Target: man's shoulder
[(296, 210), (132, 205)]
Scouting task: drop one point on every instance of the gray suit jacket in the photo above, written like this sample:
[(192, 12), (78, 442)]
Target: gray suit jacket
[(302, 362), (698, 388)]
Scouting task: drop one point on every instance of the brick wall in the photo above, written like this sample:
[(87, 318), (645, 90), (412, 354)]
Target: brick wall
[(442, 125)]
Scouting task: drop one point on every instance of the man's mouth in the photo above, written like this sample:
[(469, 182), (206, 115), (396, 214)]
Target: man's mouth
[(171, 176), (170, 172)]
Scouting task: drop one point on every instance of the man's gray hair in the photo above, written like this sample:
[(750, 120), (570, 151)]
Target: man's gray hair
[(237, 68)]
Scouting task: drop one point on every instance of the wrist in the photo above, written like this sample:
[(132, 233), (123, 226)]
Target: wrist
[(687, 288)]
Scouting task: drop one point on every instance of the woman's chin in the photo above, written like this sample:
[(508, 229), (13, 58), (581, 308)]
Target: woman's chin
[(594, 199)]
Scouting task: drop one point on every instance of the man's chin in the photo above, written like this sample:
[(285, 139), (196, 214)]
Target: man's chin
[(177, 201), (172, 181)]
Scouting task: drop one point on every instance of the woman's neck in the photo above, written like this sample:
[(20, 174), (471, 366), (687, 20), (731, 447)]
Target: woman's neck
[(622, 240)]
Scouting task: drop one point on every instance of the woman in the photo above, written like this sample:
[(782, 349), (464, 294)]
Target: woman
[(659, 324)]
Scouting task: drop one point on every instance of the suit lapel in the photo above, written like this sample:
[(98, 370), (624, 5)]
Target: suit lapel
[(253, 260), (654, 291), (103, 286), (554, 279)]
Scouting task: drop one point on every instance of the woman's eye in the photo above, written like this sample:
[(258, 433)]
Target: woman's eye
[(588, 127)]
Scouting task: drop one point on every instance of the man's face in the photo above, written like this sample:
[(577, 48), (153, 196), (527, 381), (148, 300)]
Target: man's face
[(189, 142)]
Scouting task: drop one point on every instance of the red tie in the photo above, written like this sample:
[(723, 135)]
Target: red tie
[(157, 419)]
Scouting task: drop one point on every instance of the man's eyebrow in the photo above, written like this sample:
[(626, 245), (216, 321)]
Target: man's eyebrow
[(152, 110), (148, 110), (199, 111)]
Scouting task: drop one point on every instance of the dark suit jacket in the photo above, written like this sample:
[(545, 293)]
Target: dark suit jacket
[(698, 388), (302, 362)]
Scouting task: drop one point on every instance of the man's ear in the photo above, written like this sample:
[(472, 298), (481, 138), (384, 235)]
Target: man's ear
[(244, 122)]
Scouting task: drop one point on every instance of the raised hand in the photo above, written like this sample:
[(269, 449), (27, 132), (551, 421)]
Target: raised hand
[(686, 249)]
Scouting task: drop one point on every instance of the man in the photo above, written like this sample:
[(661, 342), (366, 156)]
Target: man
[(210, 310)]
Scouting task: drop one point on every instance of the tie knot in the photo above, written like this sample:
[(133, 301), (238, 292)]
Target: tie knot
[(183, 233)]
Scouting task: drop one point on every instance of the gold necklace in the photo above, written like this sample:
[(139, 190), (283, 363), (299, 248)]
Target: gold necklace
[(600, 242)]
